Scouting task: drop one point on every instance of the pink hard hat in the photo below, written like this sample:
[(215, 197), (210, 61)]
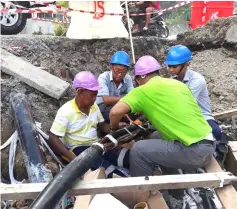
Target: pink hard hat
[(145, 65), (85, 80)]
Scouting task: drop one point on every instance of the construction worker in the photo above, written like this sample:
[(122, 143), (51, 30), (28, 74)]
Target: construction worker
[(114, 84), (75, 126), (186, 138), (178, 59)]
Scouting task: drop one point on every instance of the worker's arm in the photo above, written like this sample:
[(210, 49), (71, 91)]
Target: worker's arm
[(116, 114), (110, 100), (104, 127), (196, 86), (103, 94), (101, 125), (57, 145), (139, 2), (132, 102), (59, 129)]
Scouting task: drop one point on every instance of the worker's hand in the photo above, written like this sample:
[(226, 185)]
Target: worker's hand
[(109, 146), (122, 124)]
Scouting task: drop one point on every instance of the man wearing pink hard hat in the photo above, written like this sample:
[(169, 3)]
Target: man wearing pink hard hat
[(185, 138), (77, 121)]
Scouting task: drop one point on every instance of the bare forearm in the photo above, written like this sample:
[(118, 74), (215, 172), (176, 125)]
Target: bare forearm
[(110, 100), (104, 127), (114, 120), (59, 147), (139, 2), (116, 114)]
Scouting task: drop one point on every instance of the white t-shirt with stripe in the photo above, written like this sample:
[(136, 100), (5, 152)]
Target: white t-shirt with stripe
[(75, 127)]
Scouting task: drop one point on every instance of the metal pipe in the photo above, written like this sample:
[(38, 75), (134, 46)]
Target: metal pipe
[(130, 32), (33, 154)]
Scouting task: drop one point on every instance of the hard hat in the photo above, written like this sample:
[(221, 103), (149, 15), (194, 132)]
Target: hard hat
[(178, 55), (85, 80), (145, 65), (120, 58)]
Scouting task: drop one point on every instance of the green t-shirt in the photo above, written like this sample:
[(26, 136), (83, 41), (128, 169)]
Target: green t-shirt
[(171, 108)]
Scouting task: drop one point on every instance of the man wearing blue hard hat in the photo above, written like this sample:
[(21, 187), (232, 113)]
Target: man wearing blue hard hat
[(114, 84), (178, 59)]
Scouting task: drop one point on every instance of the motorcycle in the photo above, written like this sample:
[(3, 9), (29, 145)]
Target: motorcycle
[(157, 26)]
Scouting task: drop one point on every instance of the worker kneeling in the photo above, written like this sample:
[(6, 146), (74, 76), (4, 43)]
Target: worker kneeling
[(186, 138)]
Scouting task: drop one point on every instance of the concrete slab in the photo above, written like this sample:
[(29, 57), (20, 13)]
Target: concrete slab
[(33, 76), (231, 34)]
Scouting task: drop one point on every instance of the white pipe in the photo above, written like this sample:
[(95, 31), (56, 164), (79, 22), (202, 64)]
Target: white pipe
[(130, 33)]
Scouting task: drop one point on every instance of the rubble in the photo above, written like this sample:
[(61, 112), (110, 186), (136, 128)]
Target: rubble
[(214, 55), (215, 34)]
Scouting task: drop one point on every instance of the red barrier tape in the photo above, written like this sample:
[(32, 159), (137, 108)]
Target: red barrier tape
[(60, 9)]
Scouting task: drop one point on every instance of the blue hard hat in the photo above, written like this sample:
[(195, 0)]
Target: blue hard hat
[(120, 58), (178, 55)]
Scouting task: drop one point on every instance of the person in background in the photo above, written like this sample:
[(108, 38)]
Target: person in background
[(178, 60), (114, 84), (145, 7)]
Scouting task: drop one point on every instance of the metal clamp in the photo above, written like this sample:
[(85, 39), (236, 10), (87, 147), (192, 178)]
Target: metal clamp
[(99, 144), (141, 127), (128, 131), (112, 139)]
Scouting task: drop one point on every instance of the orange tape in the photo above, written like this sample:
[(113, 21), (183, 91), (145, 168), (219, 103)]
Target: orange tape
[(136, 122)]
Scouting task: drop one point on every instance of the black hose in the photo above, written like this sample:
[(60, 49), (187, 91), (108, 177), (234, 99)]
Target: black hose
[(50, 197), (33, 154), (120, 132)]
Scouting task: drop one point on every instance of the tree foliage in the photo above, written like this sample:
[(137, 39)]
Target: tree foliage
[(177, 15)]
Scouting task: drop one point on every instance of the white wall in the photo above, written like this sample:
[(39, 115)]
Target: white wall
[(35, 25)]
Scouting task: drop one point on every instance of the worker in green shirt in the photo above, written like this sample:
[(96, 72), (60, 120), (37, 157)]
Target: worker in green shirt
[(186, 139)]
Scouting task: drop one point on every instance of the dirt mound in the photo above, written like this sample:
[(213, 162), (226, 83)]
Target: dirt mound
[(64, 58), (59, 55), (217, 33)]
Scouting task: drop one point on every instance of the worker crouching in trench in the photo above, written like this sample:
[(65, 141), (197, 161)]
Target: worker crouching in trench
[(114, 84), (186, 140), (76, 124)]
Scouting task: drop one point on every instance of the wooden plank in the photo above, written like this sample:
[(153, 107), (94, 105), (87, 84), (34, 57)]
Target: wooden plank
[(225, 114), (233, 145), (227, 194), (33, 76), (231, 160), (132, 184)]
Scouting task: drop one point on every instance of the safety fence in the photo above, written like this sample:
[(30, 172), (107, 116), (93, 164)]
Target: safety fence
[(58, 9)]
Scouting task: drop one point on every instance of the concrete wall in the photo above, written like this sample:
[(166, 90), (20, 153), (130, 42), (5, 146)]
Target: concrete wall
[(35, 26)]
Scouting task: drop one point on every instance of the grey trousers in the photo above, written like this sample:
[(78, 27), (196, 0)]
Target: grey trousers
[(145, 155)]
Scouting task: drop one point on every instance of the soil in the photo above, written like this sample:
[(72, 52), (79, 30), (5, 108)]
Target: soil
[(214, 49)]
